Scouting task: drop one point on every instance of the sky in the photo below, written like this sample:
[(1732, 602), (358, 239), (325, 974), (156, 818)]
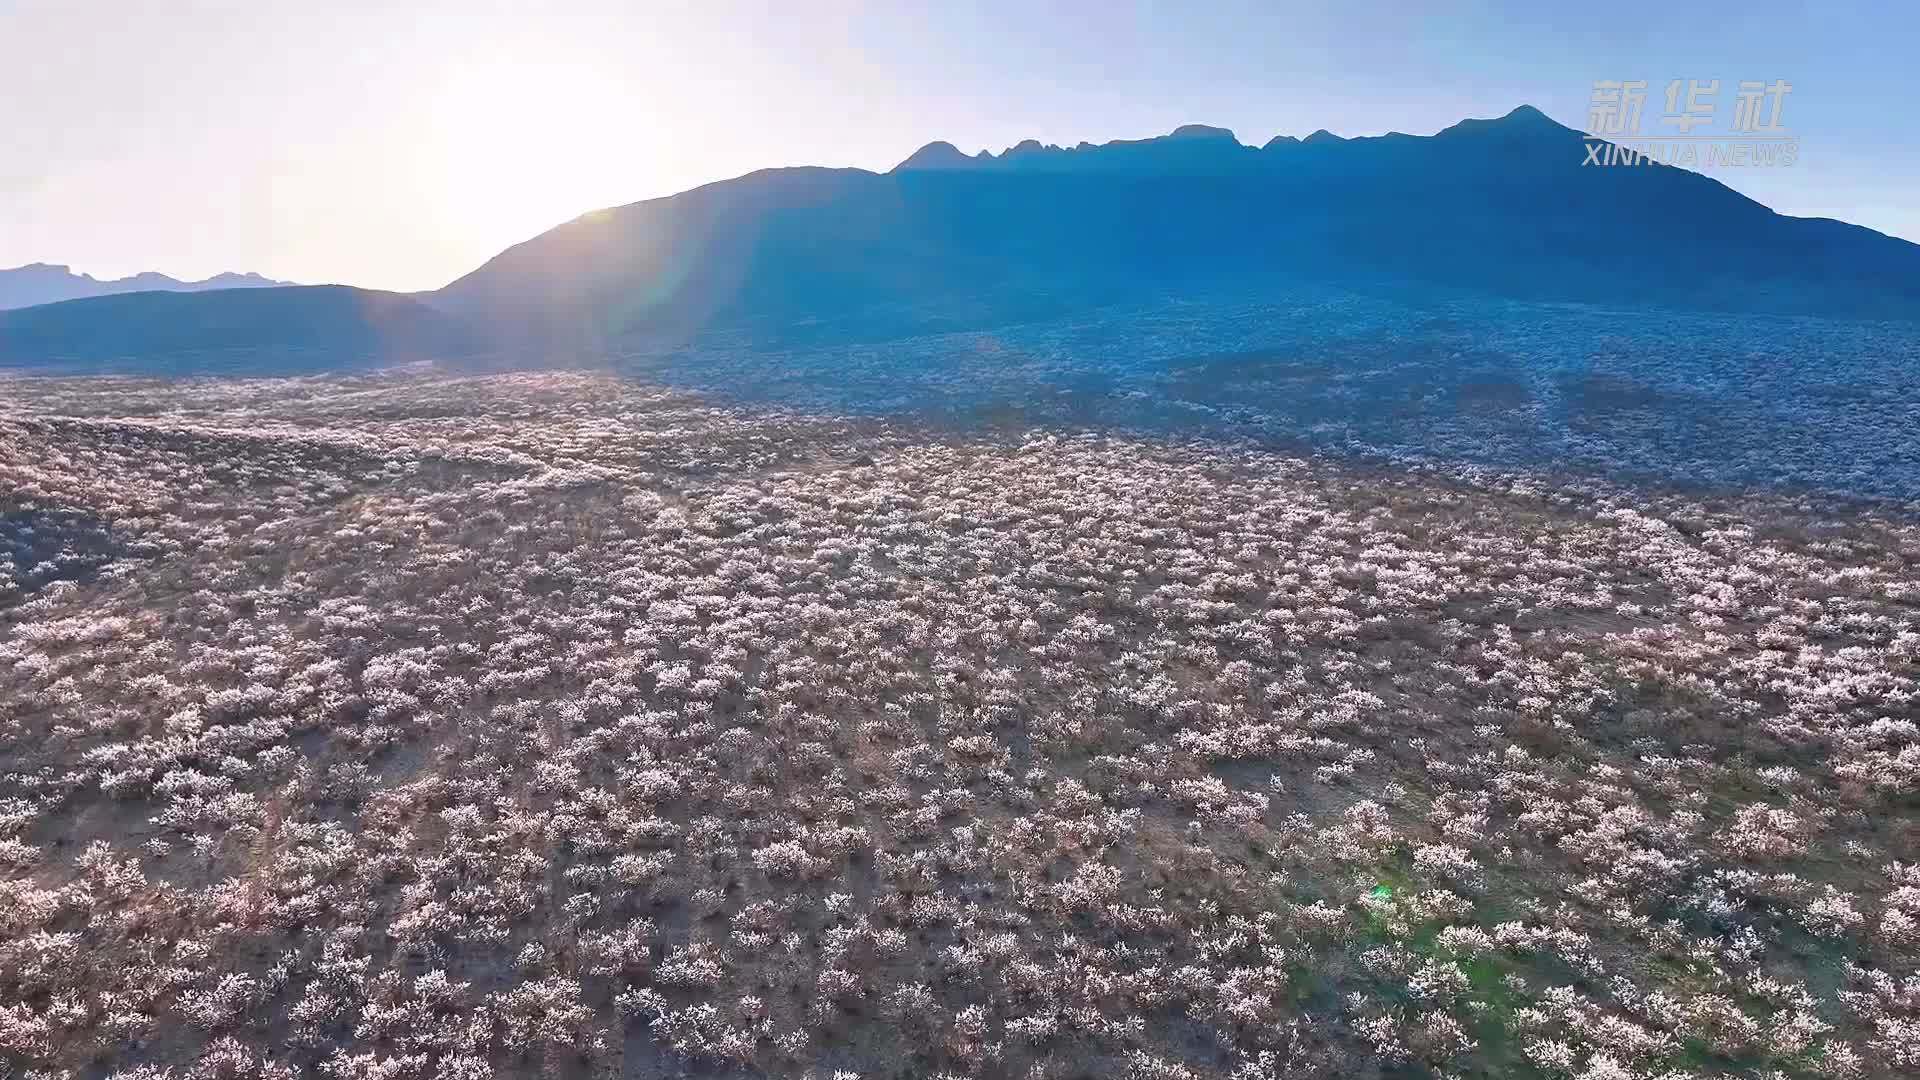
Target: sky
[(399, 145)]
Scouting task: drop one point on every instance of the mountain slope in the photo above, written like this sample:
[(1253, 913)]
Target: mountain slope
[(45, 283), (1503, 207), (256, 331)]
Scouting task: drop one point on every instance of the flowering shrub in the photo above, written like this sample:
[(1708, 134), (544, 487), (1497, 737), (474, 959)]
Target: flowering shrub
[(415, 726)]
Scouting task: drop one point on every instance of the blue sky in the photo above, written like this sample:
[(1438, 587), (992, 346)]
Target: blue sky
[(399, 145)]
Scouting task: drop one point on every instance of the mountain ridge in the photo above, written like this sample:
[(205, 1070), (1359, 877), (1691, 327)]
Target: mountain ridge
[(1523, 119), (1504, 208), (48, 283), (946, 240)]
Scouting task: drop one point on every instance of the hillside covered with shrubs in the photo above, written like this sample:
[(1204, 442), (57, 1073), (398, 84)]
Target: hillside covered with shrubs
[(415, 727)]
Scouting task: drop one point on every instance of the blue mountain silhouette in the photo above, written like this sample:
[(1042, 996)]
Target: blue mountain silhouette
[(297, 329), (946, 240), (1498, 207), (46, 283)]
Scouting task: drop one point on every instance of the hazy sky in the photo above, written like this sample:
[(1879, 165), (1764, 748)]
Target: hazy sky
[(399, 145)]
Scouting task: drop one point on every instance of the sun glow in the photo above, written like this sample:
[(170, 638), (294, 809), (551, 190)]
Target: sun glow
[(525, 142)]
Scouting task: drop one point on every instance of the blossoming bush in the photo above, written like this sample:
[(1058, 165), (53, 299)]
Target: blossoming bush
[(426, 727)]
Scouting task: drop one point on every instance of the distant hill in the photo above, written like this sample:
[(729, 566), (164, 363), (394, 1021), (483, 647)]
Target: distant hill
[(46, 283), (1502, 207), (251, 331)]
